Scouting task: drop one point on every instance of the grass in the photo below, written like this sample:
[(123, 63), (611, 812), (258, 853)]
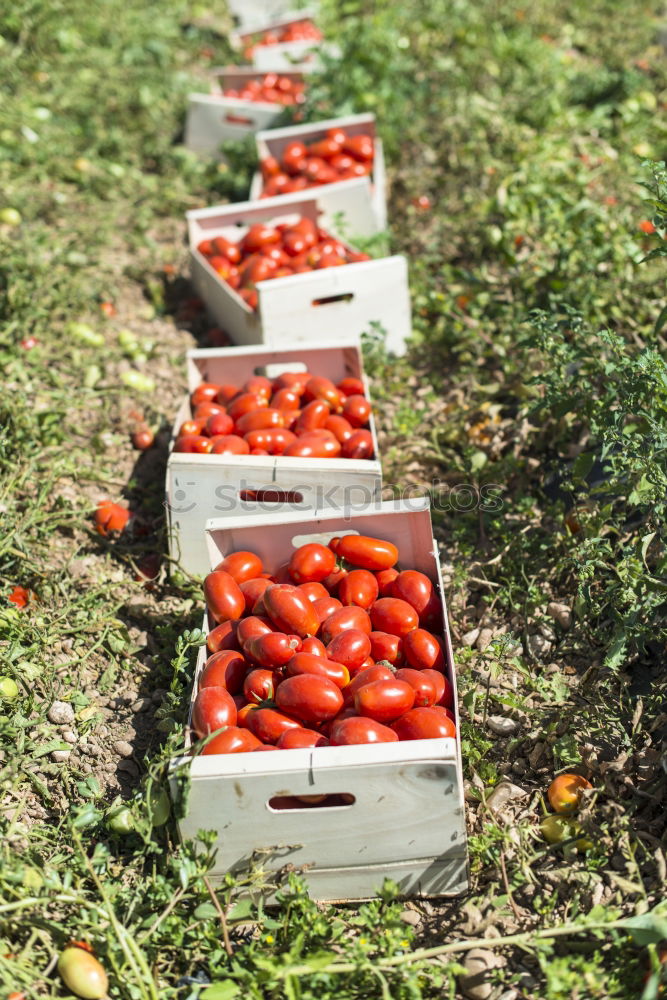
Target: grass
[(527, 128)]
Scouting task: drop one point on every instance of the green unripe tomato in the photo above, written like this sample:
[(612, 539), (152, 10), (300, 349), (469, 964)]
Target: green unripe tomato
[(119, 818), (10, 217), (82, 974), (159, 806), (8, 689), (555, 829)]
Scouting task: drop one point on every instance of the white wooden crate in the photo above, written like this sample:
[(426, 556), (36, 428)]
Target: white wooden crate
[(274, 141), (213, 118), (199, 487), (282, 55), (407, 820), (248, 13), (335, 303)]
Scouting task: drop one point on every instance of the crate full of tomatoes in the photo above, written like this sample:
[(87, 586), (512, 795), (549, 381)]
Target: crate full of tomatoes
[(243, 101), (269, 273), (290, 41), (318, 154), (266, 430), (323, 724)]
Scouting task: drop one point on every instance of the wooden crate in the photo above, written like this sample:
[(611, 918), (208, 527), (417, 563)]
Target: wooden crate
[(248, 13), (274, 141), (199, 487), (332, 304), (407, 820), (213, 119), (283, 55)]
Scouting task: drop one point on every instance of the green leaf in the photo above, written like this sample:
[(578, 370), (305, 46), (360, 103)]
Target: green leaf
[(583, 465), (224, 990), (320, 959), (205, 911), (243, 910), (647, 928), (615, 652)]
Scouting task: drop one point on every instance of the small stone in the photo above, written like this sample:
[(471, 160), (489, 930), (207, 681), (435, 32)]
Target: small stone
[(129, 767), (411, 917), (69, 736), (61, 713), (561, 614), (546, 632), (90, 749), (142, 705), (123, 749), (501, 725), (538, 647), (536, 754), (519, 766), (478, 963), (86, 767), (484, 639), (503, 793), (60, 756), (470, 638)]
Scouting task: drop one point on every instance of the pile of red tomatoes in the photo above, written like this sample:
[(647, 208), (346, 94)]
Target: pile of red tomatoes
[(295, 31), (271, 89), (296, 414), (279, 251), (337, 647), (337, 156)]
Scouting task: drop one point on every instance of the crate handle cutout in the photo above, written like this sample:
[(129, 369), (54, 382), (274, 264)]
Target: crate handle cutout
[(302, 803), (237, 119), (324, 537), (280, 367), (270, 496), (330, 299)]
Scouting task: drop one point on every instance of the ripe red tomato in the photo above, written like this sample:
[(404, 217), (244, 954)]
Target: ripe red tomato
[(320, 387), (366, 552), (267, 724), (259, 235), (357, 729), (313, 445), (314, 590), (325, 607), (357, 410), (259, 420), (308, 663), (387, 647), (301, 739), (110, 517), (246, 402), (271, 650), (232, 740), (309, 697), (426, 691), (207, 409), (241, 566), (229, 444), (142, 438), (424, 724), (222, 637), (340, 427), (423, 651), (219, 423), (259, 685), (224, 599), (311, 563), (359, 587), (343, 619), (260, 384), (226, 393), (285, 399), (203, 392), (195, 444), (290, 610), (225, 669), (252, 590), (444, 688), (351, 648), (213, 708), (385, 579), (359, 146), (384, 701), (226, 248), (351, 386), (359, 446), (314, 646), (417, 590), (390, 614), (273, 440), (378, 672), (295, 381), (252, 627), (313, 416)]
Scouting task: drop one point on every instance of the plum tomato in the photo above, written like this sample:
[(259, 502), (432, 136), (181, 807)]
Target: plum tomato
[(325, 607), (225, 669), (385, 579), (339, 427), (426, 690), (272, 650), (267, 724), (387, 647), (252, 590), (259, 235), (351, 386), (222, 637), (290, 610), (357, 729), (259, 685), (110, 517), (390, 614), (229, 444), (203, 392), (417, 590), (313, 445), (359, 446), (444, 688), (378, 672), (565, 792), (219, 423), (309, 663), (367, 553), (357, 410), (313, 416), (350, 648), (309, 697), (424, 724), (314, 590), (241, 566), (314, 646), (301, 739), (232, 740), (213, 708), (311, 563), (359, 587), (422, 650), (320, 387), (224, 599), (384, 701), (343, 619)]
